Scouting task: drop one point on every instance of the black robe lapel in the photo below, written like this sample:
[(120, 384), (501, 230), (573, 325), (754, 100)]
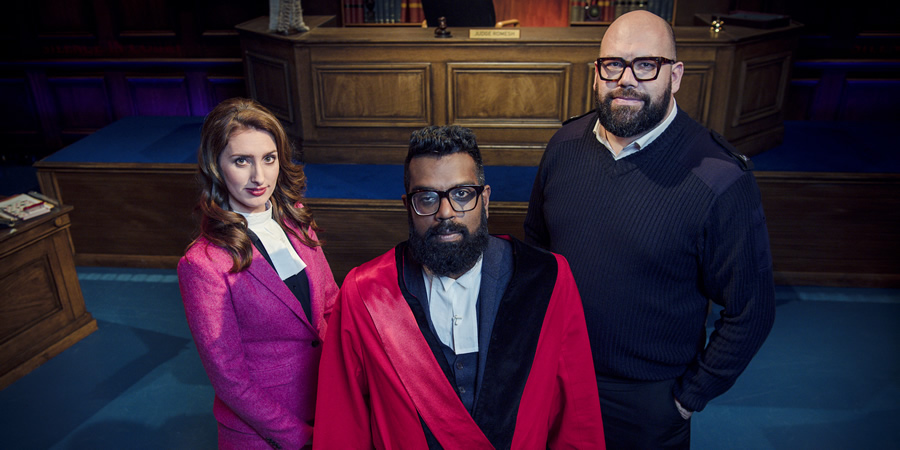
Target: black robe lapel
[(513, 343)]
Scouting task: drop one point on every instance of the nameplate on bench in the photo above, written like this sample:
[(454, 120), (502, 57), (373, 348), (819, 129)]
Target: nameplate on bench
[(494, 33)]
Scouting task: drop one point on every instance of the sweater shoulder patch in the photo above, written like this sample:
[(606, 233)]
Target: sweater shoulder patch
[(741, 158), (573, 128)]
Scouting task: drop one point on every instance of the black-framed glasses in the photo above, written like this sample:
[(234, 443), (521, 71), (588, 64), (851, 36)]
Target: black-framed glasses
[(644, 68), (427, 202)]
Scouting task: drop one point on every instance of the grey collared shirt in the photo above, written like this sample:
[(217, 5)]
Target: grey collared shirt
[(640, 142)]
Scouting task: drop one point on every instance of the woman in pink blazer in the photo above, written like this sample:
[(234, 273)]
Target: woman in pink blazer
[(257, 289)]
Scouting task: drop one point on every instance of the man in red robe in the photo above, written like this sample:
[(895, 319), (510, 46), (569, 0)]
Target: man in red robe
[(456, 338)]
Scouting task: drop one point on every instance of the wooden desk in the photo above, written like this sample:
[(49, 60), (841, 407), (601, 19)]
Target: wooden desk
[(144, 169), (42, 309), (352, 95)]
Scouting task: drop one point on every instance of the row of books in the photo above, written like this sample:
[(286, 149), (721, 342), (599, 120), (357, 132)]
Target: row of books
[(382, 11), (609, 10)]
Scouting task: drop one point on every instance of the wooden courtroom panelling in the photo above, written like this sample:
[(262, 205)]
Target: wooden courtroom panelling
[(65, 17), (513, 93), (355, 231), (160, 95), (383, 139), (79, 65), (855, 90), (271, 77), (372, 95), (219, 88), (838, 229), (74, 99), (19, 123), (754, 86), (83, 102), (694, 93), (145, 18), (527, 95), (825, 229), (870, 99), (770, 71), (136, 215)]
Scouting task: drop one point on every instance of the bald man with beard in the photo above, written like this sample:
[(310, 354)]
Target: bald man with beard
[(657, 216)]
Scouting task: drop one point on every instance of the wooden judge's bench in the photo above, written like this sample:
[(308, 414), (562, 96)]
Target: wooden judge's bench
[(352, 95)]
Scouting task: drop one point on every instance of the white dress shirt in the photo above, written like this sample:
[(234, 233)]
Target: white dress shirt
[(452, 305)]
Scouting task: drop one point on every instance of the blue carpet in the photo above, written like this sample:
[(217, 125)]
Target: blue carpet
[(135, 383), (828, 377)]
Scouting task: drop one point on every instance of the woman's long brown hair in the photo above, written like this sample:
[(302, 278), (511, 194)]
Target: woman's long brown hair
[(226, 228)]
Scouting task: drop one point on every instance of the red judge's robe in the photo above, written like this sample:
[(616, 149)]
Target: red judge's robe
[(380, 385)]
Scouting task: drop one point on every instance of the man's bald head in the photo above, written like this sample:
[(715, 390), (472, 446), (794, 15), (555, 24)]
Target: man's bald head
[(645, 32)]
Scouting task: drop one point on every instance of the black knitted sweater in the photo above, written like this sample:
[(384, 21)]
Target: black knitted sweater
[(651, 238)]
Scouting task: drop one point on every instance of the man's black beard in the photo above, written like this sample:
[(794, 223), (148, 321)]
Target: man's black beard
[(449, 258), (627, 121)]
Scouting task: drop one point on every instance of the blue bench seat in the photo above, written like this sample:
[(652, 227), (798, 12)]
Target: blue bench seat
[(809, 146), (833, 146)]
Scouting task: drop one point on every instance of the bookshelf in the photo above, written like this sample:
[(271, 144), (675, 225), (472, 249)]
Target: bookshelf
[(603, 12), (373, 13)]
